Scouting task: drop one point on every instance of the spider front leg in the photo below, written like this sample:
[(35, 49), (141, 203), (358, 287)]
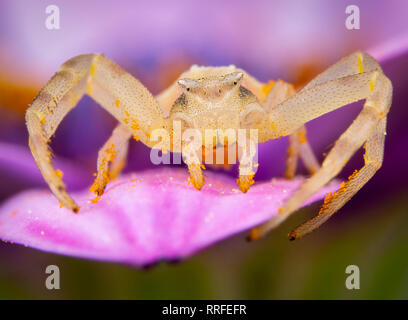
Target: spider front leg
[(109, 85), (191, 157), (111, 158), (247, 166), (355, 77)]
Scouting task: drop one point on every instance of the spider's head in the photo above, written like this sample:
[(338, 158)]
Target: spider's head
[(212, 99), (211, 89)]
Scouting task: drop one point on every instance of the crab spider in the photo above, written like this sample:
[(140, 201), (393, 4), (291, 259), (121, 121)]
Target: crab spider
[(222, 98)]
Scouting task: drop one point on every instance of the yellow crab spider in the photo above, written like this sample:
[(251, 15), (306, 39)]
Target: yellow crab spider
[(222, 98)]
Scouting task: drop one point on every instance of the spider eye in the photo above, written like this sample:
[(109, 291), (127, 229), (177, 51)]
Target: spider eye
[(233, 78), (187, 84)]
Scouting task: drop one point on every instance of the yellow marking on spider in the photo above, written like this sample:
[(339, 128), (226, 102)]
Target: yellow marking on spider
[(101, 181), (92, 70), (360, 63), (371, 84), (40, 116), (117, 101), (245, 182), (59, 173), (273, 126), (88, 86), (331, 196), (266, 88), (134, 125), (302, 137)]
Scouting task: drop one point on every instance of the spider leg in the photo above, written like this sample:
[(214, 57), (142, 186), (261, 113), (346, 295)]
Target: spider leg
[(298, 143), (374, 149), (108, 84), (306, 153), (328, 92), (246, 164), (292, 155), (190, 153), (300, 147), (111, 158)]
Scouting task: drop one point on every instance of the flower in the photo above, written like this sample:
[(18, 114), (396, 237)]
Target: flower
[(143, 218)]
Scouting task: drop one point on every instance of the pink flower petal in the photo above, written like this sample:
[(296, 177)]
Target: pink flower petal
[(145, 217)]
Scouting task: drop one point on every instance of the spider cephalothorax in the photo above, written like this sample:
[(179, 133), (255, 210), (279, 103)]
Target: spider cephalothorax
[(213, 98), (222, 99)]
